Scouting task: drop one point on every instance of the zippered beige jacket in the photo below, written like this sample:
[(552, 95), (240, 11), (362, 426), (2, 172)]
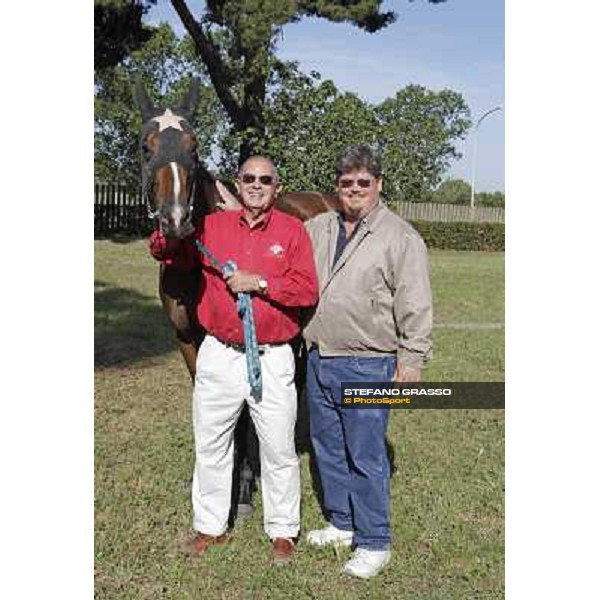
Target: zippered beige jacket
[(377, 298)]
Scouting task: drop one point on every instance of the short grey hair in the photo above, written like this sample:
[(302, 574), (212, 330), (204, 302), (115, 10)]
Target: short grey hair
[(359, 156), (264, 158)]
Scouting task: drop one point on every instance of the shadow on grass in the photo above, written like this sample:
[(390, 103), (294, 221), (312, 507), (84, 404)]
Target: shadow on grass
[(128, 327)]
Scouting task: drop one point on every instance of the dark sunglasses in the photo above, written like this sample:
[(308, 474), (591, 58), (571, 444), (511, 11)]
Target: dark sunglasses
[(348, 183), (264, 179)]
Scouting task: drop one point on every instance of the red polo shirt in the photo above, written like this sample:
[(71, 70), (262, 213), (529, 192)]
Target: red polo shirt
[(277, 248)]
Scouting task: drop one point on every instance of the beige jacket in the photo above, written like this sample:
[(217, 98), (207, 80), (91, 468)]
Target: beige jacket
[(377, 299)]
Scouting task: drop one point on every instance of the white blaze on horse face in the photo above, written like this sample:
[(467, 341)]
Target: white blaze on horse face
[(178, 212), (176, 182)]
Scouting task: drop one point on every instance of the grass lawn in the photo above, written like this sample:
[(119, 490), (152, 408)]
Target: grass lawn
[(447, 488)]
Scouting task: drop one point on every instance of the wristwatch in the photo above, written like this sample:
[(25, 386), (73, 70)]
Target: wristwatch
[(262, 285)]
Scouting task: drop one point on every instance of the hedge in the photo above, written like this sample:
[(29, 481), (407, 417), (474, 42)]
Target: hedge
[(461, 236)]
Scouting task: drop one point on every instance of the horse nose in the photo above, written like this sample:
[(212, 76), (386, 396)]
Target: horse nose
[(175, 216), (181, 213)]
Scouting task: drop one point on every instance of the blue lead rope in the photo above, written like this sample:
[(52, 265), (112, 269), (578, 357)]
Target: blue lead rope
[(244, 306)]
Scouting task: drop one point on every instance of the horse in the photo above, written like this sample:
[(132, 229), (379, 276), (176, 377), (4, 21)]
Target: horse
[(179, 191)]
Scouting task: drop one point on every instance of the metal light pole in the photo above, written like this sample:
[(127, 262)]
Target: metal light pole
[(489, 112)]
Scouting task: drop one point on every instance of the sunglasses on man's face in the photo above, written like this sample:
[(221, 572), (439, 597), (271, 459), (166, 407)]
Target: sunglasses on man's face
[(348, 183), (249, 178)]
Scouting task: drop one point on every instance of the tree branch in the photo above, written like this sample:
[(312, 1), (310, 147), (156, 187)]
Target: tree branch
[(209, 53)]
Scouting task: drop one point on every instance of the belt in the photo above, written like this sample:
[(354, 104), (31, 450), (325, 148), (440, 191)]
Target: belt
[(242, 348)]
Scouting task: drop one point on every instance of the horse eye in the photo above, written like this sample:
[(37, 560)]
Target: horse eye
[(146, 151)]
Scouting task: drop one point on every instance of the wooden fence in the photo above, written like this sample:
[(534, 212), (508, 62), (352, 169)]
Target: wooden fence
[(445, 213), (119, 208)]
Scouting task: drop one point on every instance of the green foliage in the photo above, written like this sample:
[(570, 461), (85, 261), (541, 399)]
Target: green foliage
[(419, 127), (236, 40), (300, 120), (457, 191), (256, 22), (307, 123), (452, 191), (118, 30), (489, 199), (165, 65), (462, 236), (362, 13)]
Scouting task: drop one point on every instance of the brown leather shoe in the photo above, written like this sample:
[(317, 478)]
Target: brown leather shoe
[(283, 551), (201, 542)]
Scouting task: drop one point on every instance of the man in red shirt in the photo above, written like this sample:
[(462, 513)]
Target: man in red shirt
[(275, 264)]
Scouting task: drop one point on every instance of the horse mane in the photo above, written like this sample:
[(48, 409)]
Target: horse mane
[(212, 194)]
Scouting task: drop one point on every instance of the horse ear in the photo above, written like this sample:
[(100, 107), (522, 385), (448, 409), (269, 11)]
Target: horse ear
[(190, 100), (142, 99)]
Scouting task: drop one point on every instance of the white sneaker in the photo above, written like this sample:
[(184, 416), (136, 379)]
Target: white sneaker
[(329, 535), (366, 563)]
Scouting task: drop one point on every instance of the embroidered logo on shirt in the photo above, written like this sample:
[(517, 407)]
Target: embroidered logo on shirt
[(276, 250)]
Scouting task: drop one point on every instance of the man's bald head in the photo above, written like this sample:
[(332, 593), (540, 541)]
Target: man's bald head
[(258, 185)]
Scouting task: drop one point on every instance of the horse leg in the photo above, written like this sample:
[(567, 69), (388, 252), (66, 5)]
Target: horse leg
[(188, 346), (178, 292), (246, 466)]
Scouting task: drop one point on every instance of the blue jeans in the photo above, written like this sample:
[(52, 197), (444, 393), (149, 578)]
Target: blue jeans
[(350, 448)]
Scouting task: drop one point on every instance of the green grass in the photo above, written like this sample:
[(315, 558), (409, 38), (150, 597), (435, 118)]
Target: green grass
[(447, 489), (468, 286)]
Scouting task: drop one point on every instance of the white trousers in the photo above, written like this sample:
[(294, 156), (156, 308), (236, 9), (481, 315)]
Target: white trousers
[(220, 390)]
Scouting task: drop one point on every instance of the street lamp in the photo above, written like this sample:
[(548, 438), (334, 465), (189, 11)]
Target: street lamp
[(489, 112)]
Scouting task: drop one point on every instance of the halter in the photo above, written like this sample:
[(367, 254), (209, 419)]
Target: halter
[(147, 185)]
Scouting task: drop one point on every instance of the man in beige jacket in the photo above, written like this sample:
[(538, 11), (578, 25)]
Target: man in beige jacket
[(372, 323)]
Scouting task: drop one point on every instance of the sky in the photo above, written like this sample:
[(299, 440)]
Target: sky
[(457, 45)]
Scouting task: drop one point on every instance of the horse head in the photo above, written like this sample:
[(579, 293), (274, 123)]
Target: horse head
[(170, 165)]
